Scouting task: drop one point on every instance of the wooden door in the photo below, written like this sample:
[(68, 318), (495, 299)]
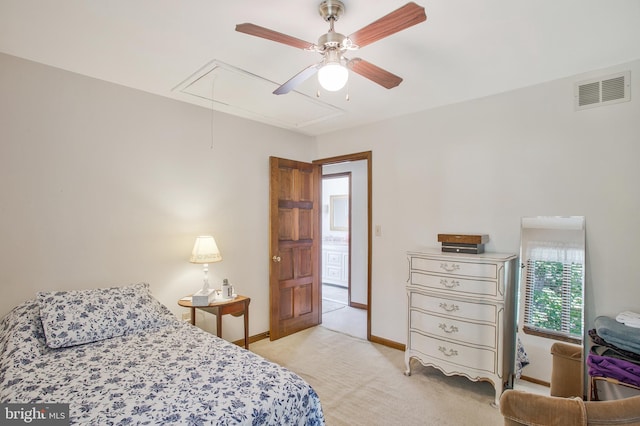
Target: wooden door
[(294, 278)]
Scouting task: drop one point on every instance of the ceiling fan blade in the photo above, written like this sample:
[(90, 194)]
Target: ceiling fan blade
[(408, 15), (258, 31), (374, 73), (297, 79)]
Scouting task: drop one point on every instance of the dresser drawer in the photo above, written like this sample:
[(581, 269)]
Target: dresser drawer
[(462, 286), (462, 355), (454, 308), (452, 267), (448, 328)]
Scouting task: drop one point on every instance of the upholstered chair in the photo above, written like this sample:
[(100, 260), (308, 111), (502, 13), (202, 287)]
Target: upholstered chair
[(524, 408), (566, 370)]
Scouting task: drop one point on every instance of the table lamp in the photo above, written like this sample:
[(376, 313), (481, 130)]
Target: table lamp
[(205, 251)]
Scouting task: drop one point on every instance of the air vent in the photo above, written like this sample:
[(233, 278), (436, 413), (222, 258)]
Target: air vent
[(611, 89)]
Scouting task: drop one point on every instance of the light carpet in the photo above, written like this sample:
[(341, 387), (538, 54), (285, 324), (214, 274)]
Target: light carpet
[(362, 383)]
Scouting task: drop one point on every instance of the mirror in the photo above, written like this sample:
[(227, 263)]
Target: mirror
[(551, 301), (339, 208)]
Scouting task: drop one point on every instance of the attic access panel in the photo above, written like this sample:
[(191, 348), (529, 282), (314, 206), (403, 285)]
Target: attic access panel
[(239, 92)]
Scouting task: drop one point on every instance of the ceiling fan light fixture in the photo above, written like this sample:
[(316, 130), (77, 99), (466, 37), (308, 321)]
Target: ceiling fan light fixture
[(333, 76)]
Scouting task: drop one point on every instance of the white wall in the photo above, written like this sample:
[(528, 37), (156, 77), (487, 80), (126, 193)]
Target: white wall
[(480, 166), (102, 185)]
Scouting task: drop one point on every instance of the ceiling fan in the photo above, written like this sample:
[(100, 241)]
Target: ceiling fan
[(333, 69)]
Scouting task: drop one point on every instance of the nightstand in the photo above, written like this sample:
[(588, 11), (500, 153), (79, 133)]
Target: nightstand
[(236, 307)]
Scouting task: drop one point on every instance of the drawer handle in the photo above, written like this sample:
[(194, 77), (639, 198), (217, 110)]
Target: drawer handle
[(454, 267), (450, 352), (448, 308), (451, 284), (448, 330)]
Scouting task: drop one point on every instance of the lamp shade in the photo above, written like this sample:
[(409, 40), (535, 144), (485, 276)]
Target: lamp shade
[(205, 250)]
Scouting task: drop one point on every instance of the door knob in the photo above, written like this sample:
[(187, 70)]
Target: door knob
[(276, 258)]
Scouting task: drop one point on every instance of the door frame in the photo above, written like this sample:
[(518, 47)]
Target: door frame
[(366, 155)]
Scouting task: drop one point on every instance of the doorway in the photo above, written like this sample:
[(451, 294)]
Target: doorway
[(345, 247)]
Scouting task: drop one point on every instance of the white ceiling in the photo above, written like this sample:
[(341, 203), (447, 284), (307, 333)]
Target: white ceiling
[(466, 49)]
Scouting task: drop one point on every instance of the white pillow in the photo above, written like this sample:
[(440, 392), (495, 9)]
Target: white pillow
[(76, 317)]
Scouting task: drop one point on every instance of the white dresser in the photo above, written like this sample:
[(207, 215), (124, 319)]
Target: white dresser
[(462, 317)]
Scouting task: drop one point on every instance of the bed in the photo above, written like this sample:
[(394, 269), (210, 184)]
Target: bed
[(118, 356)]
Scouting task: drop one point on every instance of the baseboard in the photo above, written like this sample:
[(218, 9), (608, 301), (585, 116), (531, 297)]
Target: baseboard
[(358, 305), (374, 339), (387, 342), (252, 339), (536, 381)]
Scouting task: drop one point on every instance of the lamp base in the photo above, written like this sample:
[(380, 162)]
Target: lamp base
[(203, 297)]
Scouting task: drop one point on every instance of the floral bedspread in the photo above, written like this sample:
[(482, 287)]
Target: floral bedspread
[(173, 373)]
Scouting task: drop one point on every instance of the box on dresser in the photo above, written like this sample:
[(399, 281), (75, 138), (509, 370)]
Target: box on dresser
[(463, 238), (462, 243), (462, 248), (461, 314)]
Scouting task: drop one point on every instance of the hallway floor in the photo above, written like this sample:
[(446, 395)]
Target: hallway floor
[(337, 316)]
